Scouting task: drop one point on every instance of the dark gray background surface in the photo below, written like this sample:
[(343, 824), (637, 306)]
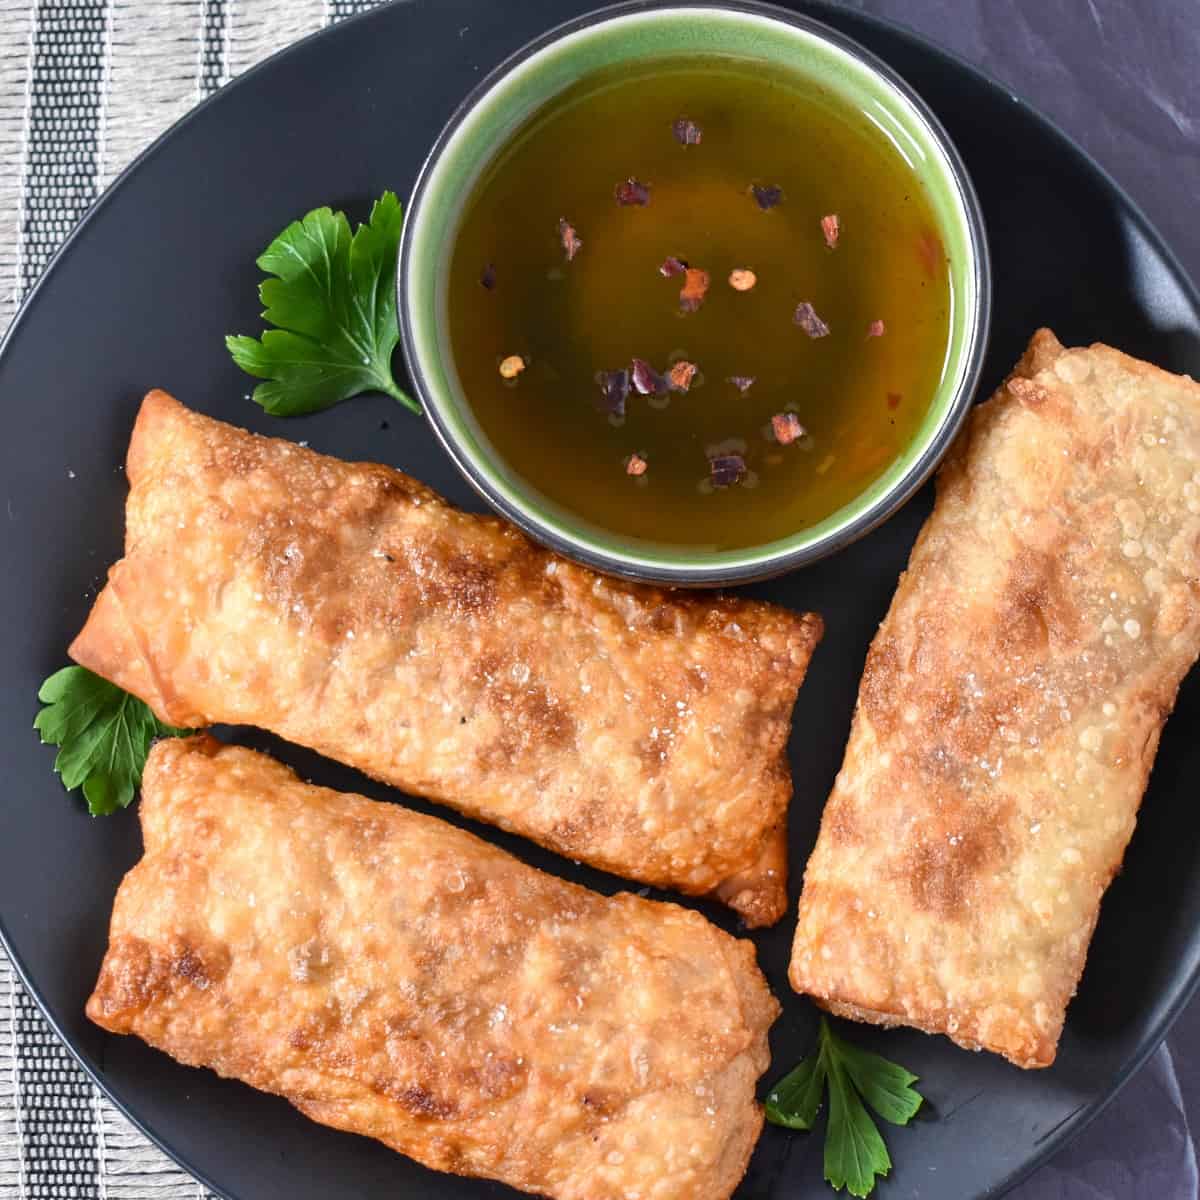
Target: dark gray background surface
[(1122, 77)]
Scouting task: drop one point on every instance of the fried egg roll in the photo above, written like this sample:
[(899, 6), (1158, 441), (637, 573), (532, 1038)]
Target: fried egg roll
[(396, 977), (1011, 707), (348, 608)]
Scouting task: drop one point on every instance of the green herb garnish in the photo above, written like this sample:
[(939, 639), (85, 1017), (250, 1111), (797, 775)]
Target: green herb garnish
[(855, 1153), (103, 736), (333, 303)]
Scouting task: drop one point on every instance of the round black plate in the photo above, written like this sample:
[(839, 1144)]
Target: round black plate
[(141, 297)]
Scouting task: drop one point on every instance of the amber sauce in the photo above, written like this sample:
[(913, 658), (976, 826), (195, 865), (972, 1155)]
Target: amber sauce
[(860, 399)]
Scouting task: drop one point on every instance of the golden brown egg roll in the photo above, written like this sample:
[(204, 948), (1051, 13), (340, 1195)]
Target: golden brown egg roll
[(346, 607), (395, 977), (1011, 707)]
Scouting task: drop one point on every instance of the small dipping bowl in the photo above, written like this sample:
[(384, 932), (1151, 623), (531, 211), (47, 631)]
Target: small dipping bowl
[(528, 82)]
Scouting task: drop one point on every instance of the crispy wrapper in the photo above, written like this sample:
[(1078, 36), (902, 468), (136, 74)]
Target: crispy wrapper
[(1011, 707), (395, 977), (346, 607)]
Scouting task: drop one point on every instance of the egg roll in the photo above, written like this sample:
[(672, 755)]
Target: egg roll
[(1010, 708), (346, 607), (396, 977)]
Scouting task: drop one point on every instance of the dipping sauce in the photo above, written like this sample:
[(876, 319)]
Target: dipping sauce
[(710, 214)]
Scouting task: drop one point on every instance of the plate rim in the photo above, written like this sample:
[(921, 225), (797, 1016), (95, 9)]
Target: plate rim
[(1071, 1126)]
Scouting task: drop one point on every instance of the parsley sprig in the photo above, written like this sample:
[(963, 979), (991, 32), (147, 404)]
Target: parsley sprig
[(332, 300), (103, 736), (855, 1154)]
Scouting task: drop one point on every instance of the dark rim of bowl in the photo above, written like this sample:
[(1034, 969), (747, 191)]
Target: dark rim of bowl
[(685, 575)]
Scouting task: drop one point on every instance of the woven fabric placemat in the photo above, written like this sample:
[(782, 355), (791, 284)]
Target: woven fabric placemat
[(86, 84)]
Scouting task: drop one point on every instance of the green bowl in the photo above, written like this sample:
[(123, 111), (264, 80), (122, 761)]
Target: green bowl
[(529, 81)]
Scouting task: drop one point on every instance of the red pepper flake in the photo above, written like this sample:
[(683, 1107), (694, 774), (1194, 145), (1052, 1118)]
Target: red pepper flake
[(680, 376), (767, 197), (876, 329), (831, 227), (635, 464), (647, 380), (894, 399), (726, 469), (930, 252), (787, 428), (687, 133), (742, 279), (571, 241), (743, 383), (614, 388), (488, 277), (672, 266), (632, 191), (695, 287), (806, 317)]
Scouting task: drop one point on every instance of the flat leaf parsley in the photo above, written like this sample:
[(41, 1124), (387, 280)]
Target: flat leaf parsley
[(855, 1153), (332, 300), (103, 736)]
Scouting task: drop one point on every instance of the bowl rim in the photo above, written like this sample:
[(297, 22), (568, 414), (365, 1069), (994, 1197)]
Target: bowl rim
[(641, 566)]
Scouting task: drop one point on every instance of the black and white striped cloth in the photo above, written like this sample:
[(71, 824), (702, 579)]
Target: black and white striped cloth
[(86, 84)]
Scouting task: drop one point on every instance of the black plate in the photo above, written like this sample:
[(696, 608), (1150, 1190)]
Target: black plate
[(141, 297)]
